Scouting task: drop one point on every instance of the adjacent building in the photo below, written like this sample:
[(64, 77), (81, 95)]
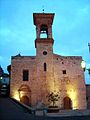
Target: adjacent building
[(4, 83)]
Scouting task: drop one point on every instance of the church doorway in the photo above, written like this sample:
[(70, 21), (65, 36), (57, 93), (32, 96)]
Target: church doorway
[(25, 94), (25, 100), (67, 103)]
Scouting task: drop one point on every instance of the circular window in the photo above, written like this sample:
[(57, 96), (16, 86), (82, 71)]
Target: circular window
[(44, 53)]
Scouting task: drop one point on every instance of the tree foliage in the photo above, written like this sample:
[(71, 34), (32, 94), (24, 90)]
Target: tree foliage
[(53, 98)]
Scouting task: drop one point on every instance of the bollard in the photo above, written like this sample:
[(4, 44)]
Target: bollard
[(45, 112), (33, 112)]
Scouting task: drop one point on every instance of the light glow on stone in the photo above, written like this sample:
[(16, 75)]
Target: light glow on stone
[(16, 95), (72, 93)]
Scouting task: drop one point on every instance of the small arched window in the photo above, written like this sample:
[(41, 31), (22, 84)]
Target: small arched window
[(45, 67)]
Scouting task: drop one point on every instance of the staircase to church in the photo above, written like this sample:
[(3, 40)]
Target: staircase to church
[(70, 113)]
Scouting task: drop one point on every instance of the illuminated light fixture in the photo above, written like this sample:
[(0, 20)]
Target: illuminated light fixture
[(83, 65), (0, 78)]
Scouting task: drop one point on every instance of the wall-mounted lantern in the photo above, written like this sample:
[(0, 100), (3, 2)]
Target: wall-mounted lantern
[(83, 65)]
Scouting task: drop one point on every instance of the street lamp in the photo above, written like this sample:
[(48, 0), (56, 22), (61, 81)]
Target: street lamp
[(83, 65), (1, 78)]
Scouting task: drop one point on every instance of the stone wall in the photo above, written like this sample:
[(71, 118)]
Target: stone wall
[(18, 65), (72, 83)]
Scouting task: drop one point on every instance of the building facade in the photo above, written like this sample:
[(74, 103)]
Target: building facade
[(4, 83), (34, 77)]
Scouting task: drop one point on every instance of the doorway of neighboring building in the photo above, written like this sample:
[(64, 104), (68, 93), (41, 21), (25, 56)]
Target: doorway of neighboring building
[(67, 103)]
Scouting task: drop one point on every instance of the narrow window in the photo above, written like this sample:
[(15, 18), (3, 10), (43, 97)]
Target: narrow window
[(25, 75), (87, 98), (45, 67), (64, 71)]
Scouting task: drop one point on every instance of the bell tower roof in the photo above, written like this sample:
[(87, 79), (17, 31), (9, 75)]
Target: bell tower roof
[(43, 18)]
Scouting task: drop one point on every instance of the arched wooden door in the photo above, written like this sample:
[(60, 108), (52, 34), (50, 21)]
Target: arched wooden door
[(67, 103), (25, 100)]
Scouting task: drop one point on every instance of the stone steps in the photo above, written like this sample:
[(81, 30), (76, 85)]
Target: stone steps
[(70, 113)]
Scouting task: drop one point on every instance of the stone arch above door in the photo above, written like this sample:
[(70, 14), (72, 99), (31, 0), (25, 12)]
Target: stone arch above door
[(67, 103), (24, 87)]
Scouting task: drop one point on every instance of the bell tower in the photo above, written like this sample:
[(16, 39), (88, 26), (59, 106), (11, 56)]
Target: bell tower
[(44, 52), (43, 23)]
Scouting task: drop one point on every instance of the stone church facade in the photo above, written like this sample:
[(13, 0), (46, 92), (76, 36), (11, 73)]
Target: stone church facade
[(33, 77)]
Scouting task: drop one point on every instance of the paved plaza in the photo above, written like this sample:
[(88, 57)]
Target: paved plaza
[(10, 110)]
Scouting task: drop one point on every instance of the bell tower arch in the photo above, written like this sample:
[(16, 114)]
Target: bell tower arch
[(43, 23)]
